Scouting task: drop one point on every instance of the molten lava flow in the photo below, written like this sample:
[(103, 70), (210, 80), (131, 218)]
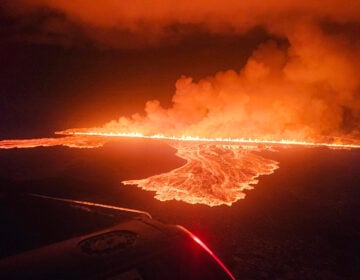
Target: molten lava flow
[(213, 175), (217, 171), (69, 141), (300, 87), (349, 144)]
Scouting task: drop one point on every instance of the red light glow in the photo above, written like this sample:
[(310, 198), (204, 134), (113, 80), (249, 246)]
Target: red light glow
[(207, 249)]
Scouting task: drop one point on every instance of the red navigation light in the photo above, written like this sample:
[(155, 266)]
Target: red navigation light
[(208, 250)]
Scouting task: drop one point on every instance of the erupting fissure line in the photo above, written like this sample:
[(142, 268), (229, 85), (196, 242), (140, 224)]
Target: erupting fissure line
[(218, 171), (218, 139)]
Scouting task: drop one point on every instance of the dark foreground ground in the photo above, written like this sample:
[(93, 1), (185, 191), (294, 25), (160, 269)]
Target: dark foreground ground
[(302, 222)]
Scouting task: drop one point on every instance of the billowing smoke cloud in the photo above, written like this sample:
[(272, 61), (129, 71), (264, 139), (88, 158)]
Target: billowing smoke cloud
[(302, 89), (305, 90)]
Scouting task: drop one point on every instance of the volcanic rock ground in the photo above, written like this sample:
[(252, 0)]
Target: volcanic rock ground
[(302, 222)]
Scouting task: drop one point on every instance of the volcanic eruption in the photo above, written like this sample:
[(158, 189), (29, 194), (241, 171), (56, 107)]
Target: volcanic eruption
[(299, 87)]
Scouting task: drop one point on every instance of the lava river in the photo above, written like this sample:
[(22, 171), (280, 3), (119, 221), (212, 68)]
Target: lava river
[(213, 174)]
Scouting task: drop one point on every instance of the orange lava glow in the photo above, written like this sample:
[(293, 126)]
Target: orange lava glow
[(299, 86), (68, 141), (213, 174), (217, 140), (217, 171)]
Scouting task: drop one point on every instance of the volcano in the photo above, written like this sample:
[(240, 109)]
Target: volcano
[(239, 120)]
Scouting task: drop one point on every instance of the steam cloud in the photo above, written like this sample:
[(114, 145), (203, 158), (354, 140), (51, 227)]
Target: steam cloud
[(305, 88)]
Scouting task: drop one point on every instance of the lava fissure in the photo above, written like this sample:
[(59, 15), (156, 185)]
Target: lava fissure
[(217, 171)]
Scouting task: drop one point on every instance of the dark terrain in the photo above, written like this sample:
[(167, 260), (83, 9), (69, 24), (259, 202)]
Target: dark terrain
[(302, 222)]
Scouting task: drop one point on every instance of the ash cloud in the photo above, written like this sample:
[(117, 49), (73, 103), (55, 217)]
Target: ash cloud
[(304, 89), (307, 90)]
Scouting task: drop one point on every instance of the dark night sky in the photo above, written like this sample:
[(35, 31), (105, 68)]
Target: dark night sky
[(49, 87)]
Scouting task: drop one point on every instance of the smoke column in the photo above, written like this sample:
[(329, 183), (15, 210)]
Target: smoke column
[(304, 91), (302, 85)]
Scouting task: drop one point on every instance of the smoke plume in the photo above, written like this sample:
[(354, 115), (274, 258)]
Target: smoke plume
[(304, 86), (303, 90)]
